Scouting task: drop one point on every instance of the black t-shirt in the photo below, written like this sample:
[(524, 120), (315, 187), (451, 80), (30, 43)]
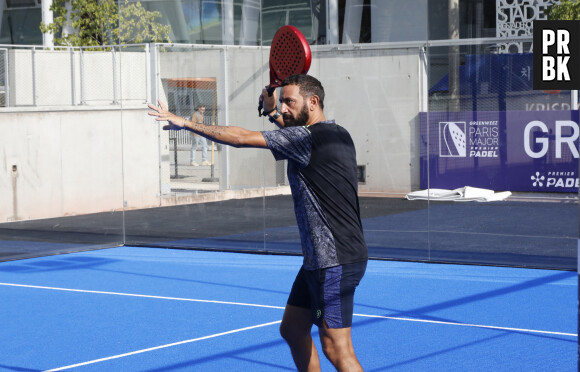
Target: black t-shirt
[(322, 172)]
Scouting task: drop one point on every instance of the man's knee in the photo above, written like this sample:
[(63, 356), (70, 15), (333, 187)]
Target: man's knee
[(334, 349), (293, 334), (341, 354), (336, 343), (286, 331)]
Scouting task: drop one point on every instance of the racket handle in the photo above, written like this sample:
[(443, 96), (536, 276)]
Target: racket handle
[(260, 106), (270, 91)]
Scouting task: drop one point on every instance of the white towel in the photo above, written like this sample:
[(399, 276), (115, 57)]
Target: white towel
[(466, 193)]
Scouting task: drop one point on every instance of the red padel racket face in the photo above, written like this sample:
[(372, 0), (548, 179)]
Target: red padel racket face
[(289, 55)]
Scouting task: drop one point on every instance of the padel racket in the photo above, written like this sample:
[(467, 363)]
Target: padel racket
[(289, 55)]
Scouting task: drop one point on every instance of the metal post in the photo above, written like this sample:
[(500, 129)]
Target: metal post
[(72, 76), (453, 55), (148, 73), (47, 18), (212, 177), (175, 156), (82, 62), (332, 22), (115, 94), (423, 80), (33, 77), (224, 117), (228, 22), (250, 23), (14, 193), (154, 73)]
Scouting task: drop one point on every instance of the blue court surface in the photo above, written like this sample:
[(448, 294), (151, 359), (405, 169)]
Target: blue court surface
[(147, 309)]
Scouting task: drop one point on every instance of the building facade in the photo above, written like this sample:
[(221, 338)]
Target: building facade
[(254, 22)]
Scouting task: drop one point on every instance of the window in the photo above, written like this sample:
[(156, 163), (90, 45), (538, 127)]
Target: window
[(22, 4)]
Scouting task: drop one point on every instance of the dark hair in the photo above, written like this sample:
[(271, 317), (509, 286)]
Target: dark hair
[(308, 85)]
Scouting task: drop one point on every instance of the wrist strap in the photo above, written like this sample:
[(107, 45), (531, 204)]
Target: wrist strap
[(274, 118), (264, 113)]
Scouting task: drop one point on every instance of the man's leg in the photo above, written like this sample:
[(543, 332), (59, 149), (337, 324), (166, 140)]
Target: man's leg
[(296, 329), (337, 347), (203, 150), (339, 287), (193, 150)]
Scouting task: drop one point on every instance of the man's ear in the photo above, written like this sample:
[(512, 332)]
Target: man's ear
[(314, 100)]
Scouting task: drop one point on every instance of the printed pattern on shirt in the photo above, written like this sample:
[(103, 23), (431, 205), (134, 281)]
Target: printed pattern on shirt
[(324, 192), (295, 144)]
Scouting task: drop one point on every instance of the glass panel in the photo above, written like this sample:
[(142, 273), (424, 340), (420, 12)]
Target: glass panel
[(63, 165), (206, 195), (248, 205), (424, 119), (374, 93), (491, 136)]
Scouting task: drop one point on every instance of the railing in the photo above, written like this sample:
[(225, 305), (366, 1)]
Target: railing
[(34, 76), (123, 75)]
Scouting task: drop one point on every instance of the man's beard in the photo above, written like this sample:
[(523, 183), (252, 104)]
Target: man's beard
[(302, 119)]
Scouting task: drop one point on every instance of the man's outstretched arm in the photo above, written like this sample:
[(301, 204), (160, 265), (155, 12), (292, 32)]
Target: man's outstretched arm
[(233, 136)]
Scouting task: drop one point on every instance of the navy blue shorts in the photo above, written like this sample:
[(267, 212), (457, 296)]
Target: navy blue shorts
[(328, 293)]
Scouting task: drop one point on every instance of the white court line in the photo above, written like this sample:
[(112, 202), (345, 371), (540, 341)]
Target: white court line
[(469, 325), (140, 295), (280, 307), (162, 346)]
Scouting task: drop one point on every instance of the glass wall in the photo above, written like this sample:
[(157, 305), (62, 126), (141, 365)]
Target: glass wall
[(488, 128), (459, 159), (404, 106)]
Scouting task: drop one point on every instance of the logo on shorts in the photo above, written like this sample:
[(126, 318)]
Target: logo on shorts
[(318, 314)]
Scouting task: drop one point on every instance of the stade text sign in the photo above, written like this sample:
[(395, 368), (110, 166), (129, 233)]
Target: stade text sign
[(533, 151)]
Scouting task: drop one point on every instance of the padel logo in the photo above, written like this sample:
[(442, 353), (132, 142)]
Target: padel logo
[(556, 180), (556, 55), (452, 139), (538, 179)]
